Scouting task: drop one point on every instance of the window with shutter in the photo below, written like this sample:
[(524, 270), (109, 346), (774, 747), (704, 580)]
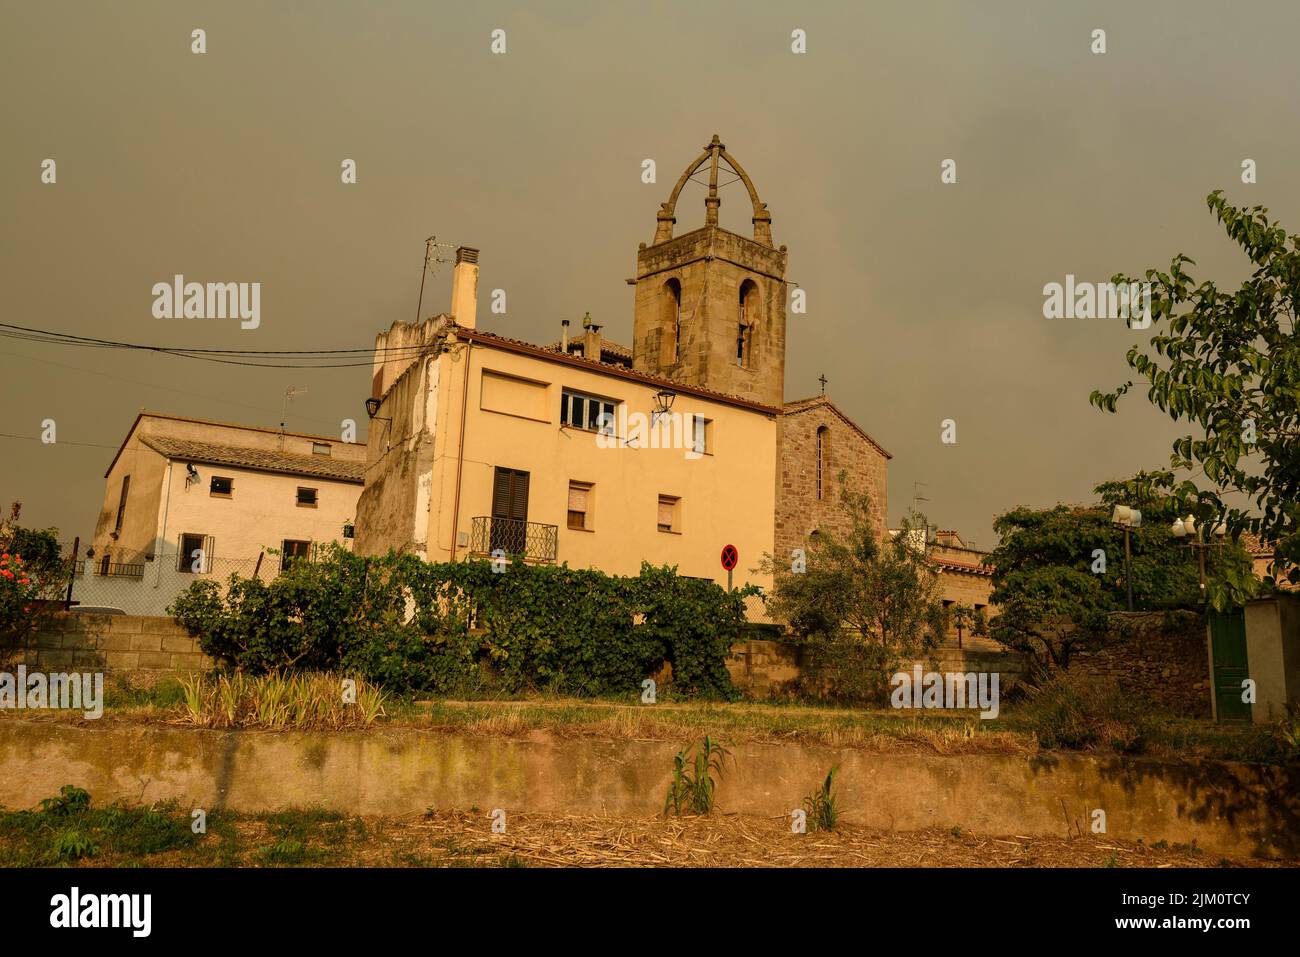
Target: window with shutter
[(193, 553), (509, 511), (580, 505), (668, 513)]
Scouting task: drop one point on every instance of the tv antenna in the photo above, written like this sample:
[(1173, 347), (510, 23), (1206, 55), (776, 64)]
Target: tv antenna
[(289, 394), (428, 266)]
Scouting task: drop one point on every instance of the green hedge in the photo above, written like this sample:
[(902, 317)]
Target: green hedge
[(460, 627)]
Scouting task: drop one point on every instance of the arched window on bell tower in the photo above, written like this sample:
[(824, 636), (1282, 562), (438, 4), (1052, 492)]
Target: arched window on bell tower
[(748, 317), (671, 321)]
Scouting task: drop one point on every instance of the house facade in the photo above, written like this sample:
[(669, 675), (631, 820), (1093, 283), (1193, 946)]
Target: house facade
[(483, 444), (186, 496)]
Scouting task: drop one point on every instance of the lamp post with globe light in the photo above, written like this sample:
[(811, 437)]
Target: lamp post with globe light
[(1187, 528), (1127, 519)]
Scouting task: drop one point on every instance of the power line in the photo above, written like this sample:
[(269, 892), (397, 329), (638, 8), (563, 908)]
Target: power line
[(224, 356), (37, 438), (185, 392)]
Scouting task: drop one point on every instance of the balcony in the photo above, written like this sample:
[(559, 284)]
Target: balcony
[(118, 569), (531, 541)]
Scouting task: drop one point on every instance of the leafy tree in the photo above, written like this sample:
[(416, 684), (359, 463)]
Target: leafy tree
[(882, 592), (1059, 572), (965, 616), (1229, 364)]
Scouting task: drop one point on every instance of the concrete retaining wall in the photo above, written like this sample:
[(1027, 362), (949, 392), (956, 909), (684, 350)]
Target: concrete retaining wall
[(1228, 809)]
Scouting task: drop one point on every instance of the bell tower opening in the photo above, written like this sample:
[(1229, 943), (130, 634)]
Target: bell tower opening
[(710, 303)]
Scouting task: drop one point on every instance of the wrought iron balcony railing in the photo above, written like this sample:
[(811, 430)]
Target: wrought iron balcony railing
[(118, 569), (531, 541)]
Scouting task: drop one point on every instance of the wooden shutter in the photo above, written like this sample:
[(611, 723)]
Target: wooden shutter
[(665, 511), (510, 494), (501, 493), (519, 497), (577, 497)]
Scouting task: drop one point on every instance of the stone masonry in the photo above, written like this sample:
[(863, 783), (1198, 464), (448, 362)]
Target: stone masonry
[(127, 643), (799, 509), (1163, 659)]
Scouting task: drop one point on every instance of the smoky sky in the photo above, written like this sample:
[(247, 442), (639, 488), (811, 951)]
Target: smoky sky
[(924, 299)]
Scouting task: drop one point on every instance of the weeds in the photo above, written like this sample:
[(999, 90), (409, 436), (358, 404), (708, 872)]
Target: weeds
[(822, 805), (692, 789), (278, 701)]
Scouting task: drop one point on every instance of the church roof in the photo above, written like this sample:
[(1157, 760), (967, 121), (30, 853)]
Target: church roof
[(821, 401)]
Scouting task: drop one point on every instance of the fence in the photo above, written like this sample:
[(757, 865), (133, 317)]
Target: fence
[(148, 587)]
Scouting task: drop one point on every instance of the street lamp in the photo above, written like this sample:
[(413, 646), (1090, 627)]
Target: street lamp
[(1127, 519), (663, 403), (1187, 528)]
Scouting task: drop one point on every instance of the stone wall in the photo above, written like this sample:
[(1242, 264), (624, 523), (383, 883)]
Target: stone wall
[(757, 666), (799, 511), (1163, 659), (125, 643)]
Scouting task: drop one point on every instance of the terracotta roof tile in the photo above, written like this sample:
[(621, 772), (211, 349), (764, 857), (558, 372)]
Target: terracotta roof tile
[(262, 460)]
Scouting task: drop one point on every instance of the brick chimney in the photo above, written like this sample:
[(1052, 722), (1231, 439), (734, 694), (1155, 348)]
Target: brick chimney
[(464, 287)]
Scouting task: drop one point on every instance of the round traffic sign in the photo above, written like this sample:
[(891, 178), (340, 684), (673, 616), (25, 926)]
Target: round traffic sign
[(730, 557)]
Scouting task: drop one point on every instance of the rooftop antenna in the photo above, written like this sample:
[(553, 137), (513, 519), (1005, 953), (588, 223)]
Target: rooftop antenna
[(289, 394), (427, 267)]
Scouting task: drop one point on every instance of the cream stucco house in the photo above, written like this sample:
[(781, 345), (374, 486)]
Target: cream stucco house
[(188, 497)]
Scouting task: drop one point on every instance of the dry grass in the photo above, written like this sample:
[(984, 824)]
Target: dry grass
[(461, 838)]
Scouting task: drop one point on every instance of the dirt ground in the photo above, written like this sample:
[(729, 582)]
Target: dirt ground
[(455, 838)]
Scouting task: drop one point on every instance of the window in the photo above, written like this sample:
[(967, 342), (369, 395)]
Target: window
[(580, 411), (748, 315), (306, 497), (580, 505), (292, 550), (509, 511), (673, 319), (702, 439), (823, 434), (194, 553), (669, 513), (104, 563), (221, 487), (121, 504), (320, 448)]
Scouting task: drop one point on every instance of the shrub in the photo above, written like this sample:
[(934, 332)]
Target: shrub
[(1080, 712), (445, 628), (844, 669), (32, 572)]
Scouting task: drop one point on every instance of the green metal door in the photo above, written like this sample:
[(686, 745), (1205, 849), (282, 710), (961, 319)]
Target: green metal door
[(1228, 639)]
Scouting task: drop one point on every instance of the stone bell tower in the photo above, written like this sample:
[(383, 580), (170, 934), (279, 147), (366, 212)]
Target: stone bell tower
[(710, 304)]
